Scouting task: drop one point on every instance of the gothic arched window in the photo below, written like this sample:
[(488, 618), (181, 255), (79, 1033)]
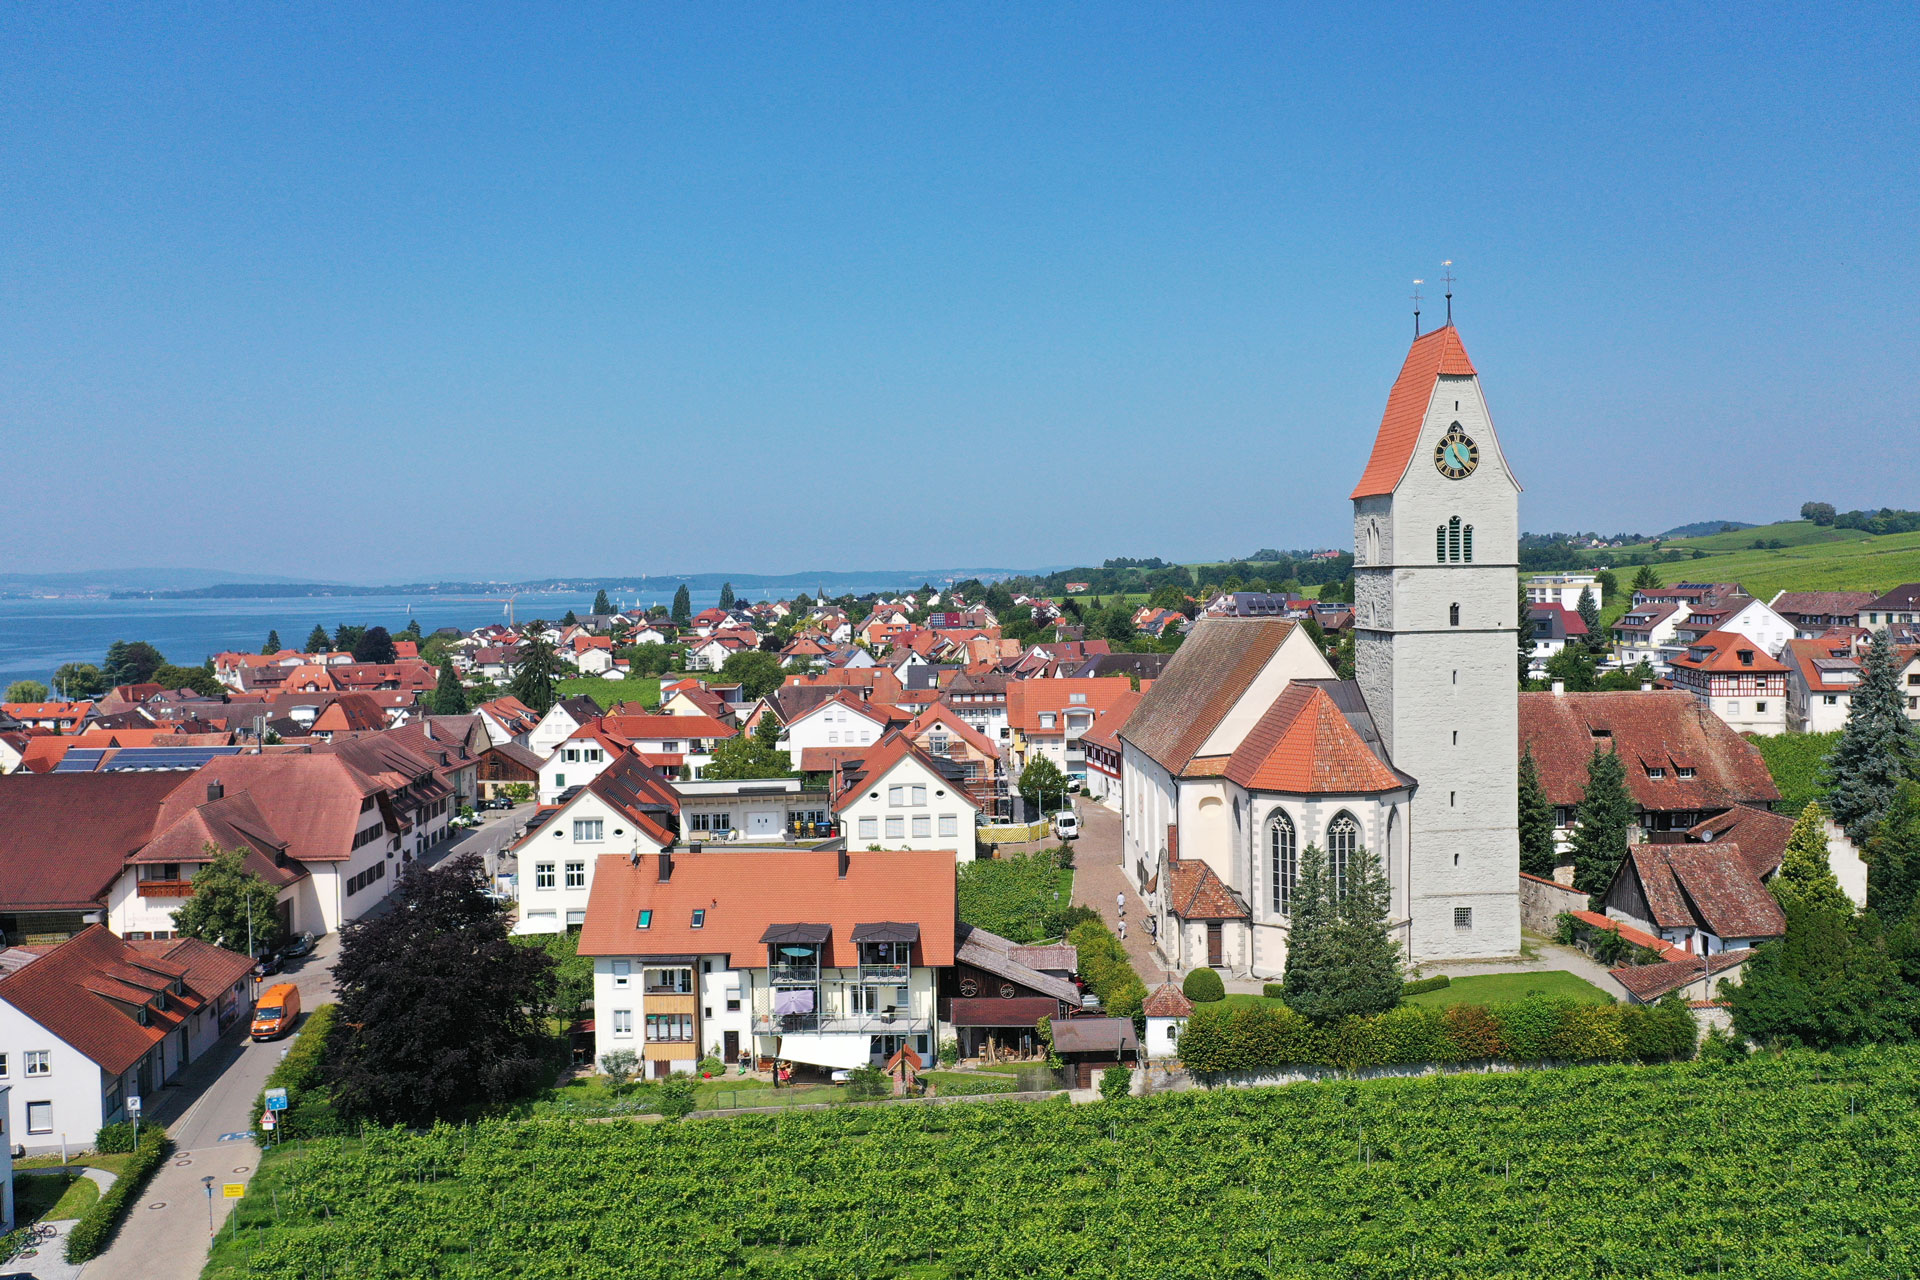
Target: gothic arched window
[(1453, 540), (1283, 859), (1343, 840), (1440, 543), (1453, 615), (1466, 543)]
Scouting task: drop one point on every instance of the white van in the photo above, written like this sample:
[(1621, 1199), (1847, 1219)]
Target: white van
[(1066, 825)]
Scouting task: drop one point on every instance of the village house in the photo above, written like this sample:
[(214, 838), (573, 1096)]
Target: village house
[(1104, 751), (896, 796), (672, 743), (1554, 627), (998, 990), (1702, 898), (1563, 589), (579, 760), (1049, 717), (1644, 633), (562, 720), (1732, 676), (97, 1019), (839, 718), (980, 698), (627, 810), (1766, 630), (1821, 678), (940, 732), (820, 958), (503, 768), (1899, 607), (1814, 613), (508, 719)]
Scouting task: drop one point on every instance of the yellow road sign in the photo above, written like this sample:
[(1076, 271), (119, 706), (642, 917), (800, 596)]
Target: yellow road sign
[(233, 1190)]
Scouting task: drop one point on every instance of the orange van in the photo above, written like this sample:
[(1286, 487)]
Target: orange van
[(276, 1012)]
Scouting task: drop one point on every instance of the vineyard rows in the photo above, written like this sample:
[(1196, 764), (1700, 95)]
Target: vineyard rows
[(1801, 1165)]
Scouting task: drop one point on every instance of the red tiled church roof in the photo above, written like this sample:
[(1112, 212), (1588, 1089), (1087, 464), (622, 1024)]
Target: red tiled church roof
[(1431, 356), (1303, 745)]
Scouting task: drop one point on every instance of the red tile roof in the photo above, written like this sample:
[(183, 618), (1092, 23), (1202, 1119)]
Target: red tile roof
[(1665, 727), (48, 860), (1304, 745), (875, 762), (229, 823), (940, 715), (1167, 1001), (1819, 660), (1638, 937), (666, 728), (312, 799), (1710, 885), (1107, 729), (1648, 982), (1196, 893), (744, 891), (1220, 658), (1728, 652), (1761, 834), (1431, 356)]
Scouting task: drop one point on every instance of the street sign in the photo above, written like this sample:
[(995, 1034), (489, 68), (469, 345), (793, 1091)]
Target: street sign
[(266, 1121), (133, 1104), (276, 1099), (233, 1190)]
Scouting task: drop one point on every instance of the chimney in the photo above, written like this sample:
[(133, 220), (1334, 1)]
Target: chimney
[(845, 859), (1559, 687), (1646, 686), (214, 791), (666, 866)]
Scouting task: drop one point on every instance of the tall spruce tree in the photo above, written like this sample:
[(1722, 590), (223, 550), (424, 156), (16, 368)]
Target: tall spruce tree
[(1538, 852), (1646, 579), (1368, 977), (1604, 823), (1805, 875), (1313, 946), (726, 595), (1893, 857), (1589, 610), (1876, 748), (317, 639), (449, 696), (682, 606), (413, 629), (534, 669), (273, 643), (602, 605)]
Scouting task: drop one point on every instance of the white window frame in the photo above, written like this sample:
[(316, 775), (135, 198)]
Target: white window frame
[(47, 1106), (896, 827), (623, 1023), (949, 824), (896, 796), (576, 873), (622, 973), (869, 828), (923, 826), (589, 830), (38, 1063), (543, 875)]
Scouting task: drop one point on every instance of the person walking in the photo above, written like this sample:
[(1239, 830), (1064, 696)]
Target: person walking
[(1123, 928), (1120, 903)]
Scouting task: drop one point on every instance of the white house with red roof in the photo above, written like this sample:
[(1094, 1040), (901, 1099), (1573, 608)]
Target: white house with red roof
[(896, 796), (1821, 678), (1643, 633), (1554, 627), (844, 719), (1731, 675), (562, 720), (579, 760), (628, 808)]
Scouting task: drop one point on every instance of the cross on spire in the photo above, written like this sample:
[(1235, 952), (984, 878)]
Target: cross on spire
[(1447, 267), (1416, 306)]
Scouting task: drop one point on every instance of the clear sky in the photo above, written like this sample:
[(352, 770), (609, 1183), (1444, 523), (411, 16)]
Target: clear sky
[(383, 292)]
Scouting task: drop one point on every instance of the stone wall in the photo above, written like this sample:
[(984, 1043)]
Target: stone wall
[(1542, 901)]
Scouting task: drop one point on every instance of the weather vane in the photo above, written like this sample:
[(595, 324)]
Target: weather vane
[(1447, 267), (1416, 306)]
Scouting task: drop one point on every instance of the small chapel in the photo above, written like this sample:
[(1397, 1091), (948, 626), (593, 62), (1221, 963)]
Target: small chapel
[(1249, 747)]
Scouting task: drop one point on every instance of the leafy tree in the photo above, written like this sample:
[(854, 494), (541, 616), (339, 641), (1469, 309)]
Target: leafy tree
[(437, 1005), (198, 679), (602, 605), (1604, 823), (449, 696), (224, 891), (726, 595), (374, 645), (1646, 579), (131, 662), (1829, 982), (1609, 585), (273, 642), (619, 1066), (26, 691), (1116, 1082), (1893, 856), (1343, 656), (1042, 783), (1876, 747), (752, 755), (1162, 598), (1577, 666), (1627, 678), (346, 637), (79, 680), (1538, 852), (676, 1097), (1821, 513), (1589, 610), (317, 640), (758, 672), (533, 677), (1805, 875), (682, 606)]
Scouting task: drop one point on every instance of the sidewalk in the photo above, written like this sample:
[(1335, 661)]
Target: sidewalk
[(1098, 877)]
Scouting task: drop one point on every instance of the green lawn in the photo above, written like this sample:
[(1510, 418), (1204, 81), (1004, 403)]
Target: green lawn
[(1500, 988), (52, 1196), (595, 1095), (643, 689), (113, 1164), (1814, 560)]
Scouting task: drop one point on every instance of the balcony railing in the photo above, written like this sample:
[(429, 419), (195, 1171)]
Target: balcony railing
[(839, 1010), (894, 974), (792, 975), (166, 888)]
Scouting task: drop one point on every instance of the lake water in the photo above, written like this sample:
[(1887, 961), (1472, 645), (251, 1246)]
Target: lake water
[(36, 636)]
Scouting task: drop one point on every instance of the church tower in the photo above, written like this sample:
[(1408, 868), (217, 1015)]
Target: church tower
[(1436, 551)]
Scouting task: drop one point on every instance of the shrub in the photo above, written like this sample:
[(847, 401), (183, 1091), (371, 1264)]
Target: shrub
[(1590, 1032), (1273, 991), (1473, 1033), (676, 1096), (1529, 1028), (949, 1052), (96, 1226), (619, 1066), (1566, 930), (1425, 984), (712, 1066), (1116, 1082), (1105, 968), (1203, 986), (1207, 1044), (1720, 1047), (114, 1138), (1012, 896), (1663, 1032), (868, 1082), (310, 1112)]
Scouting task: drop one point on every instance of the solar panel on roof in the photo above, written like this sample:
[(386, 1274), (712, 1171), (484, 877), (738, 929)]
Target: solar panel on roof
[(153, 758), (80, 760)]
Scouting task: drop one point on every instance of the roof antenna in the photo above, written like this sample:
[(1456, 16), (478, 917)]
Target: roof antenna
[(1416, 307), (1447, 266)]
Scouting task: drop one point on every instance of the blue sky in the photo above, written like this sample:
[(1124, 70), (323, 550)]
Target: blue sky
[(382, 292)]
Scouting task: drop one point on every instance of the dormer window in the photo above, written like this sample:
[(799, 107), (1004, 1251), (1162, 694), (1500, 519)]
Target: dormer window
[(1682, 772), (1656, 772), (1746, 657)]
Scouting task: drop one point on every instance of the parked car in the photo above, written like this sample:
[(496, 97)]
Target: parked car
[(300, 946), (1066, 825), (497, 802), (268, 962), (277, 1011)]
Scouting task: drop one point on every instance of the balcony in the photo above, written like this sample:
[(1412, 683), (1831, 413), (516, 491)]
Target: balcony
[(885, 974), (845, 1006), (802, 974), (166, 888)]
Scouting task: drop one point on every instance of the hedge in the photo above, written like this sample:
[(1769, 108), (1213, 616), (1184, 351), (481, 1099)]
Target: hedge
[(1107, 971), (309, 1112), (1203, 986), (1227, 1040), (89, 1235), (1425, 984)]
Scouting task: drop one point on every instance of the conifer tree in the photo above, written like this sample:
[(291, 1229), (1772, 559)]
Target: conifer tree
[(1805, 875), (1893, 857), (569, 619), (726, 595), (1646, 579), (1589, 610), (273, 643), (318, 640), (1538, 852), (1312, 948), (534, 670), (413, 629), (1876, 747), (1603, 825), (682, 606), (1368, 980), (449, 695), (602, 605)]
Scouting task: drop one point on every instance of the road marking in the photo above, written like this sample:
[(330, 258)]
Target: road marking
[(235, 1137)]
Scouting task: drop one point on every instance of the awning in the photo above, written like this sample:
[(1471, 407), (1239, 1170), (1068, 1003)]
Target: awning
[(1020, 1011), (886, 931), (838, 1052), (809, 934)]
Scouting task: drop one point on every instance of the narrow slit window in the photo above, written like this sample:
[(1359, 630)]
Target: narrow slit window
[(1453, 615), (1466, 543), (1440, 543), (1453, 540)]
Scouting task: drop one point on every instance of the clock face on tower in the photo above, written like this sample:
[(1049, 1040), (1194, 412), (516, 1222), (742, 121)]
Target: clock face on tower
[(1456, 455)]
